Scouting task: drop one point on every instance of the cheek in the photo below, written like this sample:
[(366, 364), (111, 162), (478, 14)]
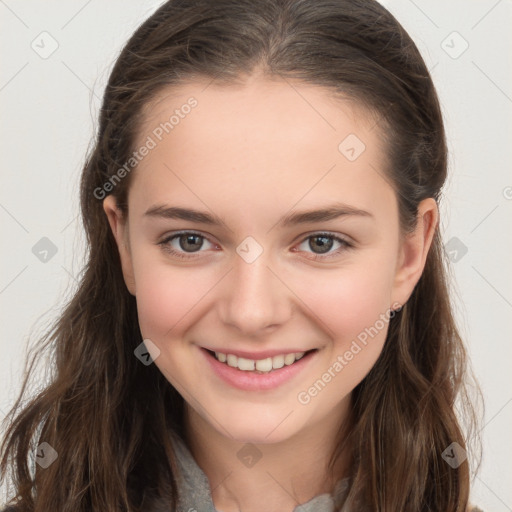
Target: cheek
[(348, 300), (165, 297), (354, 309), (164, 294)]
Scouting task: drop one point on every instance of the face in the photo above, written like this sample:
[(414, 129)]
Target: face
[(256, 275)]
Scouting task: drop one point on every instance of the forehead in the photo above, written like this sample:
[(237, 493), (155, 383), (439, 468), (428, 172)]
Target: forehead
[(260, 141), (258, 107)]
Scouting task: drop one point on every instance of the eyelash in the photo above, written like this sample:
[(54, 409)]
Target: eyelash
[(345, 244)]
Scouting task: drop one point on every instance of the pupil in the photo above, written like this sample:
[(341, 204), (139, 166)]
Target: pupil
[(190, 238), (325, 244)]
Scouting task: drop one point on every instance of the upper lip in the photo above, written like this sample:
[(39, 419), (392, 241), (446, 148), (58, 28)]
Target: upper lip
[(256, 356)]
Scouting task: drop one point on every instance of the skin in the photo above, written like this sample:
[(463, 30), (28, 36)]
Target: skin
[(251, 154)]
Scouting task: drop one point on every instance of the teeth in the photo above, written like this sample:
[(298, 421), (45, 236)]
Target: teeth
[(264, 365), (261, 365), (245, 364), (289, 359), (221, 357), (277, 362)]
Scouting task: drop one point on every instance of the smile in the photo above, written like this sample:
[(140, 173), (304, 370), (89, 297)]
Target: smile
[(262, 374), (261, 365)]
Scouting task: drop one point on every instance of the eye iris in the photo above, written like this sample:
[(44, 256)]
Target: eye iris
[(325, 244), (320, 243), (190, 239)]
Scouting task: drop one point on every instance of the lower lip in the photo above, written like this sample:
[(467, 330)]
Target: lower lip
[(250, 381)]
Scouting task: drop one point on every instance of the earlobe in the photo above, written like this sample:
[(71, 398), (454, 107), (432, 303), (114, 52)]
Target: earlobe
[(414, 251), (119, 226)]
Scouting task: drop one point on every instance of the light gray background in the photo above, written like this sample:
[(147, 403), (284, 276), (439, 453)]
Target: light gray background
[(48, 111)]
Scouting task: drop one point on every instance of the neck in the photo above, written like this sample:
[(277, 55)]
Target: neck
[(284, 474)]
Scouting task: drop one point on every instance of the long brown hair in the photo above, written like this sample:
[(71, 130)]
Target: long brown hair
[(107, 416)]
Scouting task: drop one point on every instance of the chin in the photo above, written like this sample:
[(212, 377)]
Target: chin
[(262, 431)]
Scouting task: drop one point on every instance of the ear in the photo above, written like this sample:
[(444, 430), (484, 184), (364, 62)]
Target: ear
[(414, 250), (118, 224)]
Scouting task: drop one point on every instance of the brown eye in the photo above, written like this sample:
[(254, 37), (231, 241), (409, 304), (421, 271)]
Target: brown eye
[(321, 243), (184, 245), (190, 242)]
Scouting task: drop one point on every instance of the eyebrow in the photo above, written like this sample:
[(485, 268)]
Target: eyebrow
[(302, 217)]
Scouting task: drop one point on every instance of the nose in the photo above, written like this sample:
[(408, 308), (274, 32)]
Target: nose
[(256, 298)]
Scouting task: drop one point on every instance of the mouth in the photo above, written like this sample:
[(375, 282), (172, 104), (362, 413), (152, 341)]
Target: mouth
[(257, 375), (260, 366)]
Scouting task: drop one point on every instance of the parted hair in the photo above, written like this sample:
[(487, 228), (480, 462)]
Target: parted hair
[(108, 416)]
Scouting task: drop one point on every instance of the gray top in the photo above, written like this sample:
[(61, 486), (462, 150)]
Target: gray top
[(194, 487)]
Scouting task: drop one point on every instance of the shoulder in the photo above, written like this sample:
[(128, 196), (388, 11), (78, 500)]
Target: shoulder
[(471, 508)]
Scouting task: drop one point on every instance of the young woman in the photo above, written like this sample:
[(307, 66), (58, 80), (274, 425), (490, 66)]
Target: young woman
[(264, 321)]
